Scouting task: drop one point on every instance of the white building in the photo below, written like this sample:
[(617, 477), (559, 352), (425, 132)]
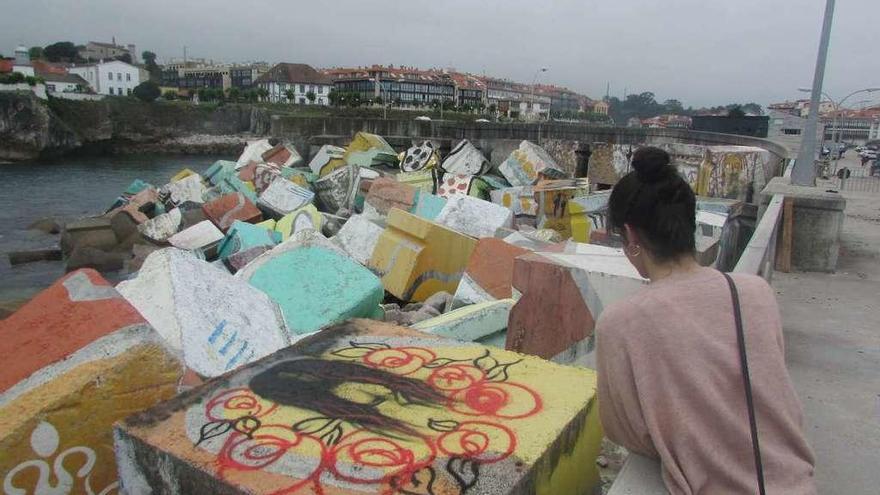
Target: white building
[(64, 83), (301, 79), (113, 78), (22, 62)]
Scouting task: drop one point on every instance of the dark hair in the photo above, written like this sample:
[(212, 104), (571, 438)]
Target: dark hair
[(656, 201)]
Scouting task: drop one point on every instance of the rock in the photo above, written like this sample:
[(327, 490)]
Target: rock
[(336, 189), (474, 217), (283, 197), (485, 322), (92, 257), (529, 163), (161, 227), (88, 232), (465, 159), (563, 294), (299, 240), (306, 217), (203, 237), (358, 238), (417, 258), (489, 273), (521, 201), (225, 210), (554, 197), (452, 185), (440, 300), (46, 225), (529, 425), (215, 321), (23, 257), (315, 287), (83, 359)]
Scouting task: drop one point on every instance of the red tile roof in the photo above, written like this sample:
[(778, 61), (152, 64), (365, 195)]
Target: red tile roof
[(294, 73)]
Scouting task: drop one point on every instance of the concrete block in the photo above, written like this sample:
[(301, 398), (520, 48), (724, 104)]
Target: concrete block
[(124, 222), (427, 205), (283, 197), (386, 193), (189, 188), (253, 152), (474, 217), (368, 150), (328, 159), (233, 184), (79, 358), (268, 224), (203, 236), (358, 238), (163, 226), (304, 238), (316, 287), (264, 176), (306, 217), (588, 213), (453, 184), (521, 201), (371, 408), (465, 159), (482, 322), (563, 294), (219, 171), (553, 197), (421, 156), (282, 155), (417, 258), (243, 236), (93, 232), (518, 239), (215, 321), (133, 189), (489, 273), (529, 163), (231, 207), (182, 174), (422, 180), (238, 260)]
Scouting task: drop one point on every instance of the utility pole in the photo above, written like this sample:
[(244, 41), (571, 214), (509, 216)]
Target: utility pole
[(804, 173)]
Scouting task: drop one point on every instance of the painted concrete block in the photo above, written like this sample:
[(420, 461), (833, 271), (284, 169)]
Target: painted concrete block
[(306, 217), (328, 159), (78, 359), (236, 261), (228, 208), (264, 176), (588, 213), (473, 216), (529, 163), (203, 236), (521, 201), (133, 189), (233, 184), (182, 174), (243, 236), (553, 197), (358, 238), (371, 408), (161, 227), (282, 155), (268, 224), (417, 258), (465, 159), (489, 273), (219, 171), (563, 294), (215, 321), (304, 238), (423, 180), (283, 197), (484, 322), (421, 156), (253, 152), (427, 205), (386, 193), (189, 188), (452, 184), (316, 287), (369, 150), (523, 241)]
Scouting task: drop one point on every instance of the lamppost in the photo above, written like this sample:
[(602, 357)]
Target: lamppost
[(838, 105), (378, 80), (532, 94)]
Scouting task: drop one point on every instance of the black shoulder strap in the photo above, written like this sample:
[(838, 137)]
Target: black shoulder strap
[(747, 382)]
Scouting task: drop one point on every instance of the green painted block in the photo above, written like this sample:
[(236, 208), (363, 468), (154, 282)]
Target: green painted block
[(243, 236), (427, 205), (220, 171), (233, 184), (316, 287)]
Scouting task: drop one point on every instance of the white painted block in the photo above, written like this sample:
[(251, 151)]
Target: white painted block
[(473, 216), (358, 238), (283, 196), (190, 188), (199, 236), (163, 226), (253, 152)]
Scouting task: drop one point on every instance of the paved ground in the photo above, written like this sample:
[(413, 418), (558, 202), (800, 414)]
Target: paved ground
[(832, 331)]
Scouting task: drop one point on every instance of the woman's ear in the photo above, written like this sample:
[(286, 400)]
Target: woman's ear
[(630, 235)]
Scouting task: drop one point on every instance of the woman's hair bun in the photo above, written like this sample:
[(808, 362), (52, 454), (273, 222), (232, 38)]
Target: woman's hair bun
[(652, 164)]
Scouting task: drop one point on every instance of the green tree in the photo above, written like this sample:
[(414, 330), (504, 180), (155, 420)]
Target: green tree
[(378, 100), (492, 108), (290, 95), (736, 111), (169, 95), (262, 93), (125, 57), (62, 51), (311, 96), (146, 91), (151, 66), (234, 93), (251, 95), (333, 97), (35, 52)]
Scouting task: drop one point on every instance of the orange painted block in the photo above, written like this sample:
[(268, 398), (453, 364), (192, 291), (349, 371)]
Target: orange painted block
[(228, 208), (79, 359), (489, 272)]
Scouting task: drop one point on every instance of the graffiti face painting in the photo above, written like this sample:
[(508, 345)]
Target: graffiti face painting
[(371, 417)]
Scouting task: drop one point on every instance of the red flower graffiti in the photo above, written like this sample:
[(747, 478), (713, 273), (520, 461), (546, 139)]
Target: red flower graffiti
[(241, 402), (474, 440), (367, 457), (456, 377), (501, 400), (399, 360)]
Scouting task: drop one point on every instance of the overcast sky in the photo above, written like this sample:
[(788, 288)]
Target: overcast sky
[(702, 52)]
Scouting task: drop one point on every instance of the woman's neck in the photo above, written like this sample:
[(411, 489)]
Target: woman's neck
[(682, 265)]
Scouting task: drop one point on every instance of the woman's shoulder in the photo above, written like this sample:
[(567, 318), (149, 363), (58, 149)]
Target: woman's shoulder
[(624, 314)]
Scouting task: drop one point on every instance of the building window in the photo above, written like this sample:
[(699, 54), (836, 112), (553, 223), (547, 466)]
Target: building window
[(302, 101), (110, 76), (111, 90), (128, 91), (320, 90), (312, 89), (119, 90), (118, 76), (128, 76), (792, 132), (302, 88)]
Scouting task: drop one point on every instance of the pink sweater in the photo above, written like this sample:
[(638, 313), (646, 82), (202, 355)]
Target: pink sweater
[(670, 386)]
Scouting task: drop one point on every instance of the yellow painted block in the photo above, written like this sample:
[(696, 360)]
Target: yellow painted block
[(62, 428), (183, 174), (250, 185), (306, 217), (420, 179), (267, 224), (331, 165), (417, 258), (580, 223)]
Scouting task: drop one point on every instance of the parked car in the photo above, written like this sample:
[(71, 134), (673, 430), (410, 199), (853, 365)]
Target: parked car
[(481, 120), (423, 118)]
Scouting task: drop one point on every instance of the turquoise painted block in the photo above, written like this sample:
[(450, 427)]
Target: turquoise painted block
[(220, 171), (427, 206), (316, 287), (484, 322), (233, 184), (495, 181), (242, 236), (304, 172), (135, 187)]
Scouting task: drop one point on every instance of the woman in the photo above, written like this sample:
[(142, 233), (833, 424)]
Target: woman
[(670, 380)]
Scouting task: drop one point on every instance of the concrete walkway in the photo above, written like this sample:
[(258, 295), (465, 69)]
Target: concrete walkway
[(832, 331)]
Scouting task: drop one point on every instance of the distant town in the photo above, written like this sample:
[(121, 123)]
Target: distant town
[(96, 70)]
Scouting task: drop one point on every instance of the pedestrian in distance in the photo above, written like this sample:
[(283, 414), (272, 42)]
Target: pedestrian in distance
[(674, 359)]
